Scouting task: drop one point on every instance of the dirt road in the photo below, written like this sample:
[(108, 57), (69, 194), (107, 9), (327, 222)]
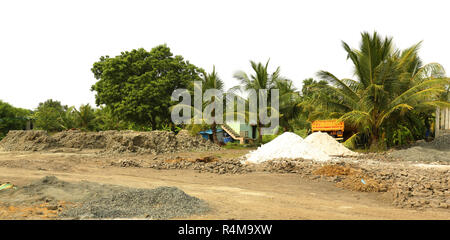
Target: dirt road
[(246, 196)]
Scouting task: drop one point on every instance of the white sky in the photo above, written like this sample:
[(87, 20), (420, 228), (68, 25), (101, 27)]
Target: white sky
[(47, 48)]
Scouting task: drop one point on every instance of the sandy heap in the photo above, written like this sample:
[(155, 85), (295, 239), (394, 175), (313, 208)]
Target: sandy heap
[(328, 144), (317, 146), (289, 146)]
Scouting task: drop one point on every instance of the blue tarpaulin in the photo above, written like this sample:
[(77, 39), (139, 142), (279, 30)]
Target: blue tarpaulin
[(205, 134), (209, 131)]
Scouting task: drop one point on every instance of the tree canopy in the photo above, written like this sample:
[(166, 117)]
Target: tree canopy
[(12, 118), (137, 85), (391, 91)]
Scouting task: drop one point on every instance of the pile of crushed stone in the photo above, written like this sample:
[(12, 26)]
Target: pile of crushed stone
[(441, 142), (154, 142), (97, 201), (437, 150), (317, 146)]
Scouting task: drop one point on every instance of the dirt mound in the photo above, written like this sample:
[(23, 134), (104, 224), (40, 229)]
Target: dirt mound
[(153, 142), (334, 170), (81, 140), (351, 178), (361, 183), (93, 200), (27, 141), (110, 142), (186, 141)]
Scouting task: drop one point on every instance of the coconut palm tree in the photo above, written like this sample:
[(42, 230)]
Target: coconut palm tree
[(289, 102), (85, 116), (208, 81), (212, 81), (389, 84), (260, 79)]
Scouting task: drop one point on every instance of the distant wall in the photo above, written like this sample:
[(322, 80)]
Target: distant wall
[(442, 125)]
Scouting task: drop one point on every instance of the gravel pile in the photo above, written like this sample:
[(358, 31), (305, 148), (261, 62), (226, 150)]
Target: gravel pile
[(159, 203), (442, 142), (437, 150), (96, 201), (230, 166)]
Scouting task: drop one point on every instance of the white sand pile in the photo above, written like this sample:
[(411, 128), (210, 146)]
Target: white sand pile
[(287, 145), (328, 144)]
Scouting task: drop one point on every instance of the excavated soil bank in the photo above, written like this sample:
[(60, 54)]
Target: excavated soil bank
[(108, 142), (87, 200)]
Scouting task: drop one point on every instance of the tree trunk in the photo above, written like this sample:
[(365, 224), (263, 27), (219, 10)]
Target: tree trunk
[(259, 133), (374, 141), (214, 127), (214, 132)]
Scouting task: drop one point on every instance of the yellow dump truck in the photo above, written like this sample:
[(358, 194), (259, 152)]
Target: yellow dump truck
[(334, 128)]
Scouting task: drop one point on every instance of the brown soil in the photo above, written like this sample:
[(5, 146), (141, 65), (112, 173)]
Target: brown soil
[(362, 183), (334, 170), (36, 211), (353, 178)]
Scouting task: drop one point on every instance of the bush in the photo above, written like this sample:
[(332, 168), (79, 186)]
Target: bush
[(301, 132), (12, 118), (268, 138)]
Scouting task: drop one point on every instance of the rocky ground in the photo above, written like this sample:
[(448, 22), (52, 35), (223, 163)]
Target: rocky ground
[(417, 177), (411, 186)]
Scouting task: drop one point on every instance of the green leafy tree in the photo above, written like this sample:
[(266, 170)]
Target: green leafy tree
[(391, 86), (68, 118), (50, 116), (12, 118), (289, 103), (106, 120), (137, 85), (208, 81)]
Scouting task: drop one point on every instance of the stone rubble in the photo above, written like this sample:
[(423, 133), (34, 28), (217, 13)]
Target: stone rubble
[(408, 186)]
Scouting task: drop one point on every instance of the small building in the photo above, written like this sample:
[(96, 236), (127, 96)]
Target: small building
[(234, 131)]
